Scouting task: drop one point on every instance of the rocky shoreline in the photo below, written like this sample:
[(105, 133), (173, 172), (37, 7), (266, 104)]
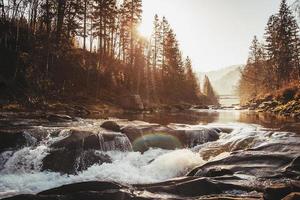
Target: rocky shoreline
[(283, 108)]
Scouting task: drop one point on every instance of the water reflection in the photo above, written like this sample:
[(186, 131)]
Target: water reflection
[(193, 117)]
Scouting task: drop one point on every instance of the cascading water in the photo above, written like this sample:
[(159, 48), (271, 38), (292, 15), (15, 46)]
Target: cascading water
[(21, 170)]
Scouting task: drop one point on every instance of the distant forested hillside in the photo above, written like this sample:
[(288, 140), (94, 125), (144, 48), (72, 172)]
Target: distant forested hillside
[(225, 81)]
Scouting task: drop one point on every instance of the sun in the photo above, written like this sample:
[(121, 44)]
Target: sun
[(145, 28)]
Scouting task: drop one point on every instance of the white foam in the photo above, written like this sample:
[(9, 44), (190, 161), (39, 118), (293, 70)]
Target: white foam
[(155, 165)]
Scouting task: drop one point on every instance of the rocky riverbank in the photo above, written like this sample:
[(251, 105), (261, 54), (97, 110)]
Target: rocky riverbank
[(288, 109)]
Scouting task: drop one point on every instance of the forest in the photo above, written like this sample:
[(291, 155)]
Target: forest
[(273, 67), (55, 49)]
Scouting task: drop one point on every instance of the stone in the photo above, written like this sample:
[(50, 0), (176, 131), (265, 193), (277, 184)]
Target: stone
[(111, 126), (292, 196), (72, 161), (205, 107), (76, 152), (58, 117), (13, 140)]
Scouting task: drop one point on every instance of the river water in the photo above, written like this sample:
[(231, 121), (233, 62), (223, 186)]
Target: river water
[(21, 169)]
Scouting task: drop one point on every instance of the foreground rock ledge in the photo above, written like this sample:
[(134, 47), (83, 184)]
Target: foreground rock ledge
[(181, 188)]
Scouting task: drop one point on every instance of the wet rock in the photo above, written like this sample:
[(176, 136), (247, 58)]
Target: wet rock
[(72, 162), (14, 140), (278, 191), (58, 118), (253, 164), (61, 160), (204, 107), (76, 152), (84, 186), (73, 141), (193, 187), (144, 137), (182, 106), (293, 169), (111, 126), (292, 196), (132, 102), (86, 140), (89, 158)]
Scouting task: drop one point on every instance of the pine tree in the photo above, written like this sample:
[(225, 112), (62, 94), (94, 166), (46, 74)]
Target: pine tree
[(192, 87), (283, 43), (208, 91)]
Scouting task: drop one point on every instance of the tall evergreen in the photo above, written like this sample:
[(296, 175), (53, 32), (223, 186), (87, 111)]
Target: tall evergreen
[(209, 92)]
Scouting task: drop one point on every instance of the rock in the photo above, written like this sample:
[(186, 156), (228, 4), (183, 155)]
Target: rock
[(182, 106), (111, 126), (86, 140), (89, 158), (205, 107), (292, 196), (132, 102), (279, 191), (71, 162), (58, 118), (194, 187), (76, 152), (293, 169), (268, 105), (144, 137), (14, 140), (263, 164), (84, 186), (81, 110)]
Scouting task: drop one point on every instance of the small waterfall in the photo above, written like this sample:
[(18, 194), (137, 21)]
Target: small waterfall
[(197, 137), (27, 159), (118, 143)]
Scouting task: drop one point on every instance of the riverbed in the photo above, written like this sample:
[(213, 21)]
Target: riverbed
[(151, 149)]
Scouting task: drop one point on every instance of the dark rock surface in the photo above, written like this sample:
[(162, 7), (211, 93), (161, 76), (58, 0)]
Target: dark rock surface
[(10, 140), (76, 152), (154, 135), (181, 188), (111, 126)]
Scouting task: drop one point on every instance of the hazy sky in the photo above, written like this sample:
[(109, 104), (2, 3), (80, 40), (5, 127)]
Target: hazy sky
[(214, 33)]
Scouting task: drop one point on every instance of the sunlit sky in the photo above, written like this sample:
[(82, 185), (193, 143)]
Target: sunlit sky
[(214, 33)]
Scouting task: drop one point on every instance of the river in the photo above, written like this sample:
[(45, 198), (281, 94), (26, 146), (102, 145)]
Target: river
[(188, 142)]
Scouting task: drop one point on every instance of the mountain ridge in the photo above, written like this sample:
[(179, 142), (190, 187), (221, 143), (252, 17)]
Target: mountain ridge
[(225, 80)]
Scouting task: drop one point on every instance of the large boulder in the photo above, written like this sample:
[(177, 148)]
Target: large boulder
[(132, 102), (111, 126), (263, 164), (14, 140), (72, 161), (148, 136), (77, 151)]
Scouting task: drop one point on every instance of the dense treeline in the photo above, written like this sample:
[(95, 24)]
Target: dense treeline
[(273, 64), (93, 49)]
